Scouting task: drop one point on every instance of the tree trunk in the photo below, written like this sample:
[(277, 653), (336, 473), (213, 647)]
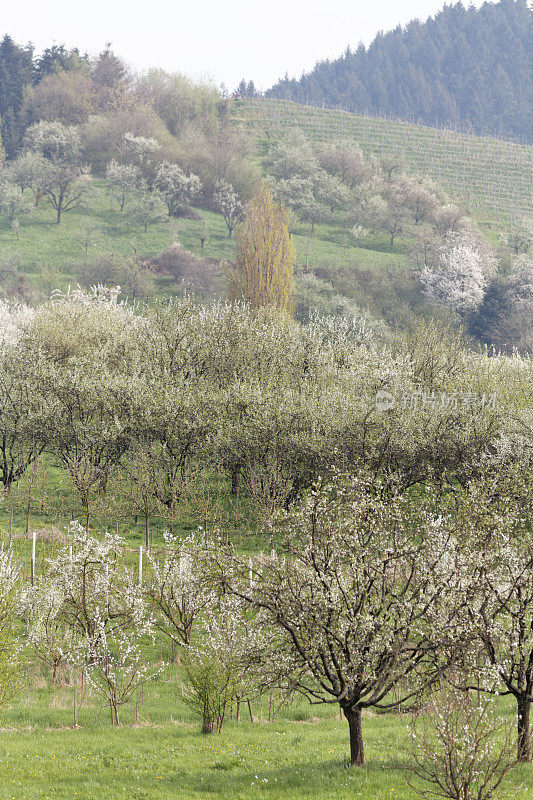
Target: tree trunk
[(207, 720), (357, 750), (524, 745), (114, 713), (235, 474)]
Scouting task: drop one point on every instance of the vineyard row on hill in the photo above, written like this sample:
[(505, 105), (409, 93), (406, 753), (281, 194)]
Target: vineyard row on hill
[(490, 175)]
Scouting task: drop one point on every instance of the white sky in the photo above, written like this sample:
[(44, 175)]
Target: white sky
[(222, 39)]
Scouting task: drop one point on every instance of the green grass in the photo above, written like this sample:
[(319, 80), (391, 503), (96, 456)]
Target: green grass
[(303, 753), (374, 276), (490, 176), (45, 244), (327, 246), (52, 510), (49, 255)]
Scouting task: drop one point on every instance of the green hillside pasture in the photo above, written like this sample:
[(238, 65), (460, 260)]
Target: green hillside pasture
[(50, 254), (45, 245)]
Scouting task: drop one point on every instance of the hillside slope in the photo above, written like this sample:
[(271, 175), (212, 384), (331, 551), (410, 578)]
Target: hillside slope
[(489, 176)]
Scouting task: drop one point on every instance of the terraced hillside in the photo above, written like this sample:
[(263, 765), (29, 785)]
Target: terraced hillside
[(490, 176)]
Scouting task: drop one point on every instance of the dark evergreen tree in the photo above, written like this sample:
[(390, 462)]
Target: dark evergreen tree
[(241, 88), (16, 72), (251, 91), (109, 71), (110, 79), (57, 58), (485, 321)]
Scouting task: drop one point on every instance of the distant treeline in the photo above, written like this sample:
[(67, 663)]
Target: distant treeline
[(466, 67), (99, 103), (64, 85)]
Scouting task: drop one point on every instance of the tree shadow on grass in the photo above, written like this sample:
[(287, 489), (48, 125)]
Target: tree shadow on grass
[(323, 779)]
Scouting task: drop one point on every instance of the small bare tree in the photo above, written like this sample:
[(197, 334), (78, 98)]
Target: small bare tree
[(88, 235), (461, 748)]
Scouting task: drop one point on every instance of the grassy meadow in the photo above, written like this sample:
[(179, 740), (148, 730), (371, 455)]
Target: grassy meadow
[(158, 753), (43, 244), (369, 273)]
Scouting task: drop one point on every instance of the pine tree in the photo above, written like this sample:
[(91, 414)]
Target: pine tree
[(263, 274), (466, 66), (241, 89), (56, 59), (16, 73)]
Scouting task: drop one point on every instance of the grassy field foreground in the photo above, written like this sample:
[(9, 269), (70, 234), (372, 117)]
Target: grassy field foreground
[(302, 754)]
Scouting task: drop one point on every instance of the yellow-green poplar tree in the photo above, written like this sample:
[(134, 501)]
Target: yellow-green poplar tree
[(263, 274)]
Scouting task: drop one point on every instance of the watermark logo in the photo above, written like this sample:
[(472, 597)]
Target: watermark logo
[(384, 400), (435, 401)]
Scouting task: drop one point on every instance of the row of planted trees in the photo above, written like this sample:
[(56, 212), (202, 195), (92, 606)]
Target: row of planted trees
[(151, 405)]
